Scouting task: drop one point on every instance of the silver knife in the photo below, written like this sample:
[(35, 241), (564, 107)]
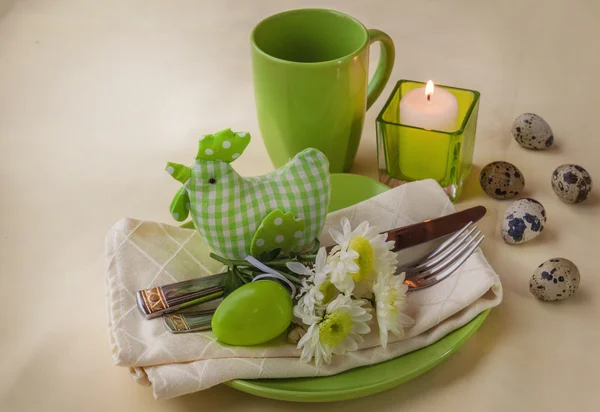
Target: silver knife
[(161, 300)]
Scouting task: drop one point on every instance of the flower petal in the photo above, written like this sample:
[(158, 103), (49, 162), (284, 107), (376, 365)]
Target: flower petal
[(361, 328), (337, 236), (405, 320), (306, 337), (383, 337), (321, 259), (379, 239), (352, 267), (339, 349), (362, 228), (349, 254), (372, 232), (363, 318), (346, 227), (357, 338), (350, 344), (297, 268), (357, 311), (320, 277)]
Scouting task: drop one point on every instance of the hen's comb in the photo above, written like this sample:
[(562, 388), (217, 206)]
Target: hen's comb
[(225, 145)]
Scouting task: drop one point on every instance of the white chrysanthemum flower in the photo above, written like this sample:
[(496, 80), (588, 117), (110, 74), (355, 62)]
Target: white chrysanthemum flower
[(343, 266), (338, 331), (361, 254), (317, 291), (390, 304), (313, 301), (319, 270)]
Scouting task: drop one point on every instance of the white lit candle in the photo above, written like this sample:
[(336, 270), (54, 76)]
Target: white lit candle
[(430, 109)]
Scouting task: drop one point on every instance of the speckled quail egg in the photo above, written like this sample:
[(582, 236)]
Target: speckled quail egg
[(501, 180), (524, 220), (555, 279), (572, 183), (532, 132)]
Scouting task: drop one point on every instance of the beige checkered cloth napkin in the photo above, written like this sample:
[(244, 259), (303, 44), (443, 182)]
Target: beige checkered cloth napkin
[(142, 254)]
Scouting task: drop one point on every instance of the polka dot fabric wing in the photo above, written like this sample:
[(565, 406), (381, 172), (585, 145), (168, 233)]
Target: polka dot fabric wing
[(278, 231), (227, 209), (180, 205)]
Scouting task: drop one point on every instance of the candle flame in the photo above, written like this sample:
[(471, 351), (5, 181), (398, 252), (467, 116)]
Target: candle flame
[(429, 90)]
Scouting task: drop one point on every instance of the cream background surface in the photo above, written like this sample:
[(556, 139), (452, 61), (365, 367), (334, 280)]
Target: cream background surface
[(96, 96)]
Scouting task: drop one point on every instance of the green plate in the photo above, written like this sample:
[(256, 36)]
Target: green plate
[(346, 190)]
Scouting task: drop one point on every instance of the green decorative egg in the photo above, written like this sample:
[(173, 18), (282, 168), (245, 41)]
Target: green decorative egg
[(252, 314)]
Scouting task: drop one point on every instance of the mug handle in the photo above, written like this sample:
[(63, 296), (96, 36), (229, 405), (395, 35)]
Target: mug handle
[(384, 67)]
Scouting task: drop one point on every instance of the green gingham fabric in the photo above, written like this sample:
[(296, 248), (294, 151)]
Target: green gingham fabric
[(227, 209)]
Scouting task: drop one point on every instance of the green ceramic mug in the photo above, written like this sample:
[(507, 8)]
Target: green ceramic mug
[(311, 82)]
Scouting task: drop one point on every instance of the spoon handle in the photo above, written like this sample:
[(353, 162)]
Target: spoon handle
[(169, 298)]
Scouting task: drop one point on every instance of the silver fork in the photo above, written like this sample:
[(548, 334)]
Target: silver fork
[(427, 271), (444, 260)]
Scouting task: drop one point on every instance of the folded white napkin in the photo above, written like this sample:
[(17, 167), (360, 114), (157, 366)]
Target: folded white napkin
[(142, 254)]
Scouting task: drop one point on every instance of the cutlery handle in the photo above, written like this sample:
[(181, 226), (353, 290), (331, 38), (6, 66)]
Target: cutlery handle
[(188, 322), (164, 299)]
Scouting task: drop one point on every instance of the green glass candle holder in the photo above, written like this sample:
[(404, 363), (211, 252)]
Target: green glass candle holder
[(407, 153)]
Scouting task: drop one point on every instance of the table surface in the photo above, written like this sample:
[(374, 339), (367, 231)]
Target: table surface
[(95, 96)]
